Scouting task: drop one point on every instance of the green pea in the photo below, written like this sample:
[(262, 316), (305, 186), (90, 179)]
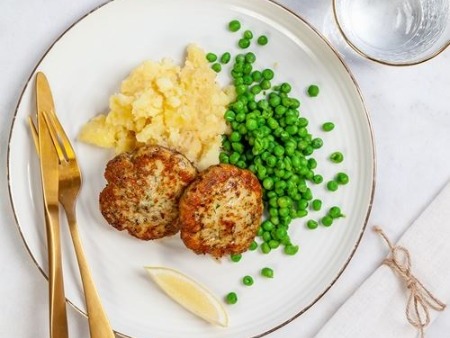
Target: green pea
[(247, 35), (240, 58), (253, 246), (280, 110), (278, 151), (224, 158), (283, 211), (234, 25), (247, 80), (267, 225), (268, 74), (313, 90), (328, 126), (240, 117), (312, 163), (247, 280), (247, 68), (226, 145), (251, 124), (274, 101), (316, 204), (307, 194), (229, 115), (234, 157), (231, 298), (244, 43), (236, 257), (285, 88), (332, 186), (256, 76), (308, 151), (211, 57), (327, 221), (262, 40), (274, 244), (240, 89), (302, 122), (284, 202), (266, 236), (216, 67), (237, 147), (342, 178), (312, 224), (292, 130), (260, 231), (302, 204), (295, 103), (242, 129), (256, 89), (267, 272), (250, 57), (337, 157), (241, 164), (275, 220), (280, 233), (291, 249), (335, 212), (268, 183), (317, 143), (265, 248), (234, 136), (301, 213), (317, 179), (225, 58), (265, 84)]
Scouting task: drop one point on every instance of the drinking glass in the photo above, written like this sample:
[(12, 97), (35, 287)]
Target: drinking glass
[(395, 32)]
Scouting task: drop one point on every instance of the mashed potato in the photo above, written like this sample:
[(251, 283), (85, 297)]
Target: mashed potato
[(162, 103)]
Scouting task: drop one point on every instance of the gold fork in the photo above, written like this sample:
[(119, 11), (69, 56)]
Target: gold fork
[(69, 187)]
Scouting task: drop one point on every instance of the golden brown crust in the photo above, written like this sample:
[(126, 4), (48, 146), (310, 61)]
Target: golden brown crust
[(220, 212), (143, 190)]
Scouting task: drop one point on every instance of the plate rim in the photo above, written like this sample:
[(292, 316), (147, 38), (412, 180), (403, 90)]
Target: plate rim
[(371, 137)]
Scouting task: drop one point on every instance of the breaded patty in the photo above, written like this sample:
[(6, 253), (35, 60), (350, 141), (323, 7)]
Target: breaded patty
[(220, 211), (143, 191)]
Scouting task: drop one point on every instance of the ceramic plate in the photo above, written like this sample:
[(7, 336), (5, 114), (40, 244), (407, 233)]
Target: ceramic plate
[(86, 65)]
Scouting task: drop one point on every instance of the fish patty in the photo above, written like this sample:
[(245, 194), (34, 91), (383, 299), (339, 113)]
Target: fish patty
[(143, 191), (220, 211)]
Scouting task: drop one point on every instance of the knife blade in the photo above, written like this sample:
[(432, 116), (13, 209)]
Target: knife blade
[(49, 177)]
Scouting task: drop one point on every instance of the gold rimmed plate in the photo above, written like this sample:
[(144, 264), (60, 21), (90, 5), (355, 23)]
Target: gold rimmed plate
[(86, 65)]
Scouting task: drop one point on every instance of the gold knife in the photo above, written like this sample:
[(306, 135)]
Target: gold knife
[(49, 176)]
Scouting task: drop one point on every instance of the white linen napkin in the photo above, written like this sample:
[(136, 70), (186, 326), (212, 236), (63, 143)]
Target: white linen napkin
[(377, 308)]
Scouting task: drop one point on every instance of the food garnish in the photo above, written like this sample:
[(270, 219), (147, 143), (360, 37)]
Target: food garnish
[(189, 294)]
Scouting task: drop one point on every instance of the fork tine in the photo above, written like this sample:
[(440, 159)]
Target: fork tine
[(54, 137), (62, 136), (34, 134)]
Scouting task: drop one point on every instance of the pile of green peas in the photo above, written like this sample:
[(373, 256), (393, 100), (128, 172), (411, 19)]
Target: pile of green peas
[(270, 137)]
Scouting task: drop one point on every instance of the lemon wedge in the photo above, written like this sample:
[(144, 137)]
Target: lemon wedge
[(189, 294)]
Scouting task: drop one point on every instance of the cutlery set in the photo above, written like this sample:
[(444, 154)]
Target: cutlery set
[(61, 183)]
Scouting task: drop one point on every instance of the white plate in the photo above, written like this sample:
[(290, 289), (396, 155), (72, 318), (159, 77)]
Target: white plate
[(86, 65)]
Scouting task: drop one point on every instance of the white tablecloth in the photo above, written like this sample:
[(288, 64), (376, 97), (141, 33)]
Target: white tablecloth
[(411, 120)]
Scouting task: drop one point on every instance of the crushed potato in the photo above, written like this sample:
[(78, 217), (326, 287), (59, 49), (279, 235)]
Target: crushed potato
[(162, 103)]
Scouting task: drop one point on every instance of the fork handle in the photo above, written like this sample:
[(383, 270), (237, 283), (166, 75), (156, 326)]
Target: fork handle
[(57, 299), (99, 326)]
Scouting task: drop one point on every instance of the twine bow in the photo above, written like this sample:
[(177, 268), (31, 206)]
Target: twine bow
[(420, 300)]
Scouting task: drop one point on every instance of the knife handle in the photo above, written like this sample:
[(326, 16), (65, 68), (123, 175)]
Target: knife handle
[(57, 299)]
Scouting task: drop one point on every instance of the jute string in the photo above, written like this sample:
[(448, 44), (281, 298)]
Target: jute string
[(420, 300)]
